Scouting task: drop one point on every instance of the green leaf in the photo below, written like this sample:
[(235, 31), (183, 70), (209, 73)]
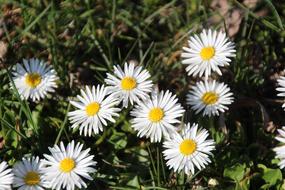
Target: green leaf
[(143, 155), (235, 172), (134, 182), (270, 176), (119, 140), (112, 158)]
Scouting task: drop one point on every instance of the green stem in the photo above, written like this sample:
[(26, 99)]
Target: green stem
[(162, 166), (158, 165), (62, 125), (151, 160)]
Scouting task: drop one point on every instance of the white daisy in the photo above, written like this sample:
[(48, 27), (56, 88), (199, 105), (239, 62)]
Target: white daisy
[(188, 150), (280, 150), (281, 88), (132, 84), (211, 97), (28, 174), (6, 176), (155, 117), (66, 167), (207, 52), (95, 108), (34, 79)]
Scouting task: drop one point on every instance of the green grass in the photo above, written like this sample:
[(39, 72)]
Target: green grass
[(84, 39)]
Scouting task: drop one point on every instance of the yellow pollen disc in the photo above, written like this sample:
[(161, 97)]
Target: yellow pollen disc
[(207, 53), (128, 83), (33, 79), (92, 109), (32, 178), (67, 165), (210, 98), (187, 147), (155, 114)]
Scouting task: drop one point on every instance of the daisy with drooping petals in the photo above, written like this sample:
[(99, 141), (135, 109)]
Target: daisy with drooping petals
[(95, 108), (281, 88), (34, 79), (207, 52), (28, 174), (189, 150), (280, 150), (66, 167), (211, 97), (6, 176), (155, 117), (131, 85)]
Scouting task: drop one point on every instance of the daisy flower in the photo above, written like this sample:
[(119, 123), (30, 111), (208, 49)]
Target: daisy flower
[(281, 88), (132, 84), (94, 109), (28, 174), (155, 117), (280, 150), (189, 150), (34, 79), (211, 97), (207, 52), (6, 176), (66, 167)]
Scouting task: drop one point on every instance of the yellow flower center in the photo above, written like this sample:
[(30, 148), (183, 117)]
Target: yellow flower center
[(155, 114), (67, 165), (128, 83), (187, 147), (32, 178), (207, 53), (33, 79), (92, 109), (210, 98)]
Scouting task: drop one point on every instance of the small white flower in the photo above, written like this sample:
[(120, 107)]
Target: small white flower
[(280, 150), (189, 150), (211, 97), (155, 117), (207, 52), (281, 88), (28, 175), (66, 167), (95, 108), (131, 85), (34, 79), (6, 176)]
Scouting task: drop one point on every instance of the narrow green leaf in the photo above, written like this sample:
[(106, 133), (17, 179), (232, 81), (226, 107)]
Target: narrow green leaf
[(275, 13)]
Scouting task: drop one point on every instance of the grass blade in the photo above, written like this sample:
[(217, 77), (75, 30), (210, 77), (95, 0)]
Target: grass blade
[(36, 20), (11, 127), (264, 21), (24, 104), (275, 13)]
